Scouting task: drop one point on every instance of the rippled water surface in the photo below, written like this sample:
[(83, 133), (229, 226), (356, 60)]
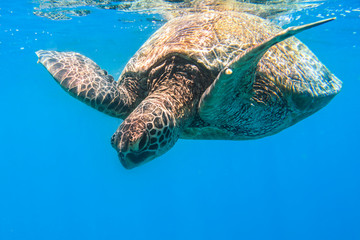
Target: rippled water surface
[(61, 179)]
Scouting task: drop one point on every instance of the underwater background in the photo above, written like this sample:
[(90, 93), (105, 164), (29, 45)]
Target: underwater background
[(61, 179)]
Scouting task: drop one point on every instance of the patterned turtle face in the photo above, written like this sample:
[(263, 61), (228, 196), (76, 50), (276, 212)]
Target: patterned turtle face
[(145, 134)]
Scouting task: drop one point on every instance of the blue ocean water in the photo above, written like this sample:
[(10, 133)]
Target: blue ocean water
[(61, 179)]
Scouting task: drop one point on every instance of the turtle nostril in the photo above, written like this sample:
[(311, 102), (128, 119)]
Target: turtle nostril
[(113, 140)]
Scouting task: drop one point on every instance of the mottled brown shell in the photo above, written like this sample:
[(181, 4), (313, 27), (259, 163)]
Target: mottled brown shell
[(213, 39)]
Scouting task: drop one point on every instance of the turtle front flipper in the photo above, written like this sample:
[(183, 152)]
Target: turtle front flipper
[(234, 84), (85, 80)]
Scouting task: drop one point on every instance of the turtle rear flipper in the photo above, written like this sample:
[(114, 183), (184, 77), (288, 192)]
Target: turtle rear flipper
[(85, 80), (234, 84)]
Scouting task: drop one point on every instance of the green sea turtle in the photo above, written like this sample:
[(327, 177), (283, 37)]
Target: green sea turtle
[(208, 75)]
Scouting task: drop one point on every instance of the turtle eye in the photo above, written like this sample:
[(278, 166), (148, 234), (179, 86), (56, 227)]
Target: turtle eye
[(143, 141)]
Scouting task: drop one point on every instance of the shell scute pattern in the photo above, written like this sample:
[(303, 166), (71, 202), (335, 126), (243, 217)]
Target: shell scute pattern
[(214, 39)]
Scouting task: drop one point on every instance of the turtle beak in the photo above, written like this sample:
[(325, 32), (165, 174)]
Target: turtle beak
[(131, 160)]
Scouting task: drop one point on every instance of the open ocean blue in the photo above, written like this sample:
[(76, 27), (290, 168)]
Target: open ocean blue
[(61, 179)]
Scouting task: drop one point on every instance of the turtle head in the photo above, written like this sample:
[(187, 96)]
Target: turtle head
[(131, 141), (144, 136)]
